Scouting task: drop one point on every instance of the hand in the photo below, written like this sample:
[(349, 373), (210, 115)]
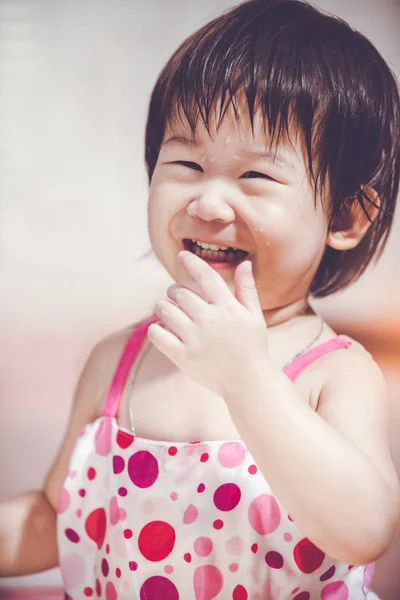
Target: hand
[(213, 336)]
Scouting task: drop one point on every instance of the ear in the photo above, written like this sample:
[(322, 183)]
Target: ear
[(349, 228)]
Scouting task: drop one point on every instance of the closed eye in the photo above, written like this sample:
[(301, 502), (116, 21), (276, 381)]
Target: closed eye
[(189, 164), (256, 175)]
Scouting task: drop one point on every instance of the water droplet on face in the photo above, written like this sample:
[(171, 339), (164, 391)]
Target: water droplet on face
[(227, 140)]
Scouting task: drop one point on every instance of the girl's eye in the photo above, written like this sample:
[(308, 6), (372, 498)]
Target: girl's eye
[(255, 175), (188, 163)]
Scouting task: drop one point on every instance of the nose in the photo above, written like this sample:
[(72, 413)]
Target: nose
[(212, 204)]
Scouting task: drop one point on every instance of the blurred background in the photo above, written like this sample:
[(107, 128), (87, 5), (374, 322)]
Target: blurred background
[(75, 81)]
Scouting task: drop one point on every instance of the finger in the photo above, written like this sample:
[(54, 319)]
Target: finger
[(174, 318), (165, 341), (212, 287), (190, 303), (245, 288)]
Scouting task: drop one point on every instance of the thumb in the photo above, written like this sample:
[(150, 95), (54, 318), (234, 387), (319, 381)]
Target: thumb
[(245, 287)]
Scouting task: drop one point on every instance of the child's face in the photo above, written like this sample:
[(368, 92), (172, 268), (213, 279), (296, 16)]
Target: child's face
[(227, 193)]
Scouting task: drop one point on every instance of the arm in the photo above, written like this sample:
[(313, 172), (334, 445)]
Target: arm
[(28, 542), (332, 470)]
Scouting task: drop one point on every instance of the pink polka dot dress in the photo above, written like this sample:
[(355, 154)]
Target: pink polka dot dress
[(153, 520)]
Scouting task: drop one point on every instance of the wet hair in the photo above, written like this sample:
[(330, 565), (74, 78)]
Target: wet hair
[(297, 65)]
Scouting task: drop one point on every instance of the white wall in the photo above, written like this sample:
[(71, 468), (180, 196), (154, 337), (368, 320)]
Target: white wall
[(75, 79)]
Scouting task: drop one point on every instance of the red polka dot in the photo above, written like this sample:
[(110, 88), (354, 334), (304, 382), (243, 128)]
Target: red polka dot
[(118, 464), (128, 534), (157, 588), (143, 469), (290, 518), (118, 572), (274, 560), (227, 496), (124, 439), (302, 596), (254, 548), (105, 567), (98, 588), (307, 556), (204, 457), (252, 469), (156, 540), (133, 565), (328, 574), (187, 557), (201, 487), (239, 593), (91, 473), (88, 591), (218, 524), (72, 536), (172, 450), (96, 525)]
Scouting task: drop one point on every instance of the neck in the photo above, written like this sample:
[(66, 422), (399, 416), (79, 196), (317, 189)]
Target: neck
[(285, 314)]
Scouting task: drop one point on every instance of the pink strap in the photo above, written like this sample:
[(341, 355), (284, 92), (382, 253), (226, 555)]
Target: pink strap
[(297, 366), (139, 333), (124, 366)]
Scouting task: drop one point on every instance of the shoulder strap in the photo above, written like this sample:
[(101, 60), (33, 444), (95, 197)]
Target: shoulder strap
[(124, 366), (301, 363)]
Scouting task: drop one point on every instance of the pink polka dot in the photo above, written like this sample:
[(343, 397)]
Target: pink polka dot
[(231, 454), (336, 590), (118, 544), (73, 570), (174, 496), (111, 592), (233, 567), (239, 593), (156, 540), (169, 569), (102, 439), (227, 496), (252, 469), (143, 469), (287, 537), (79, 513), (148, 507), (115, 512), (157, 588), (307, 556), (64, 500), (203, 546), (264, 514), (368, 574), (191, 514), (234, 545), (72, 474), (207, 582)]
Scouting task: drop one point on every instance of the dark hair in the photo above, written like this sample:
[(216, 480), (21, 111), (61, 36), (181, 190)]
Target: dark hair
[(296, 63)]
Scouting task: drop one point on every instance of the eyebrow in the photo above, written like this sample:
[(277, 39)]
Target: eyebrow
[(274, 155)]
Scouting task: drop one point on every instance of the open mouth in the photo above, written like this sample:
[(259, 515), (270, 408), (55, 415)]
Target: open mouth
[(215, 254)]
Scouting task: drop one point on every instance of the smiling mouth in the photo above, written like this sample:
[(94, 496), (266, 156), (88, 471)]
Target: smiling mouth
[(228, 255)]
